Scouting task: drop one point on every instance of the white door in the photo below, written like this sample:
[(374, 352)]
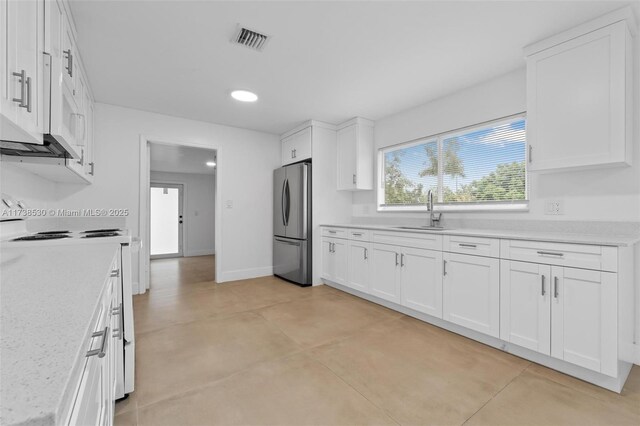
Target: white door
[(525, 305), (421, 280), (471, 292), (358, 264), (327, 259), (346, 146), (166, 220), (584, 318), (340, 261), (385, 263)]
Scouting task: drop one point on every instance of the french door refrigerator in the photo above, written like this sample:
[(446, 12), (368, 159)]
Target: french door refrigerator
[(292, 223)]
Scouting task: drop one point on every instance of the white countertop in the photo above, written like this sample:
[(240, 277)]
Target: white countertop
[(47, 299), (569, 238)]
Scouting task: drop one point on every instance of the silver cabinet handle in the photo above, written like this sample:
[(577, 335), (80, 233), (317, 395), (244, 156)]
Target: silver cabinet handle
[(555, 287), (354, 179), (542, 292), (100, 351), (366, 254), (69, 57), (444, 267), (550, 253), (22, 76), (467, 245), (28, 84), (115, 273), (397, 263), (331, 232), (356, 234), (91, 164), (530, 153), (402, 260), (81, 160), (118, 332), (292, 154)]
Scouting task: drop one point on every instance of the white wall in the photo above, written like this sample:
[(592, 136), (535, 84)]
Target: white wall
[(34, 190), (246, 160), (199, 210), (606, 194)]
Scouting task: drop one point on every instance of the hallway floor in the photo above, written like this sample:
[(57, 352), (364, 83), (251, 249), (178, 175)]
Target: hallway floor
[(266, 352)]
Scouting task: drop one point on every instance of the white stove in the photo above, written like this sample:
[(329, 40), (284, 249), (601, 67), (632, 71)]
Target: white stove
[(23, 234)]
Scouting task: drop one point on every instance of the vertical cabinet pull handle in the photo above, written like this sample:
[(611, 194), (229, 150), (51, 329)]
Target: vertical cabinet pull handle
[(28, 84), (542, 292), (101, 351), (555, 287), (354, 179), (91, 172), (402, 260), (69, 57), (366, 254), (530, 153), (444, 267), (397, 263), (22, 76)]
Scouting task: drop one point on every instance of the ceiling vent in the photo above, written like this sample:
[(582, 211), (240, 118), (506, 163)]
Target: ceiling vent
[(249, 38)]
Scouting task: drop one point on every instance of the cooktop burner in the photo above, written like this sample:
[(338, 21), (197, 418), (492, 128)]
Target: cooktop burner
[(38, 237), (52, 232), (102, 234), (93, 231)]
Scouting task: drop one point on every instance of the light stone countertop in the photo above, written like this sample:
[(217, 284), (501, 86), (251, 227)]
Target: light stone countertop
[(48, 296), (555, 237)]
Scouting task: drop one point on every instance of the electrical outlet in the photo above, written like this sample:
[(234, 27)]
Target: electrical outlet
[(554, 207)]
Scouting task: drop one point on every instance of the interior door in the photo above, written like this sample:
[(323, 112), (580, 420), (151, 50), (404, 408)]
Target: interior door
[(525, 305), (296, 201), (166, 202), (279, 220)]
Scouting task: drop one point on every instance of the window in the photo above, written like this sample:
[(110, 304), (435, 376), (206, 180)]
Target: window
[(483, 167)]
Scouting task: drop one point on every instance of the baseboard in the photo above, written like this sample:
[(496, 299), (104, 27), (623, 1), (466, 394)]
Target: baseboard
[(244, 274), (206, 252), (614, 384)]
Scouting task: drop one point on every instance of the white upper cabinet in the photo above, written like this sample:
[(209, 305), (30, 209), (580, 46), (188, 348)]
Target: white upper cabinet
[(21, 76), (355, 155), (296, 147), (579, 110)]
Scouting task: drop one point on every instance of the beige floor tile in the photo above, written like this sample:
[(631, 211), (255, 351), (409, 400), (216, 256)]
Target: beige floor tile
[(418, 373), (292, 391), (178, 358), (317, 320), (534, 400), (628, 399), (129, 418), (126, 405)]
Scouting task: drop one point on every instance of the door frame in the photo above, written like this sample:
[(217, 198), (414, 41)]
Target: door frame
[(143, 207), (182, 192)]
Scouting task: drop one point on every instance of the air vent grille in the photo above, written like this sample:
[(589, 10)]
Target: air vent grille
[(251, 39)]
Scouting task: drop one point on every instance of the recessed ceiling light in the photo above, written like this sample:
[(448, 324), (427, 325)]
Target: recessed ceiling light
[(244, 96), (211, 163)]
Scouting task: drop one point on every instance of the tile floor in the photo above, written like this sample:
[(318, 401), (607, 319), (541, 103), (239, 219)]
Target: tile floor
[(265, 352)]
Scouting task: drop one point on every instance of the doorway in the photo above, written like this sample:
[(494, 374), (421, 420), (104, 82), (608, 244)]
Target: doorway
[(166, 203)]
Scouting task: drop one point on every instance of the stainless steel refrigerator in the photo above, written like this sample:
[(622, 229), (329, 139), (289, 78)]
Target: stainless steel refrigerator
[(292, 223)]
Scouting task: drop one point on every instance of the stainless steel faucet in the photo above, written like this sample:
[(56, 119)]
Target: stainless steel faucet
[(434, 218)]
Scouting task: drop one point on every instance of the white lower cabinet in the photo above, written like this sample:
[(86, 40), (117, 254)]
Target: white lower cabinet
[(421, 280), (471, 292), (525, 305), (334, 260), (359, 266), (385, 283)]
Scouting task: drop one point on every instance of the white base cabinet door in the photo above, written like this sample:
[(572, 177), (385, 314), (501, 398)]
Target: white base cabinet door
[(584, 318), (334, 260), (384, 272), (471, 292), (525, 305), (421, 280), (359, 265)]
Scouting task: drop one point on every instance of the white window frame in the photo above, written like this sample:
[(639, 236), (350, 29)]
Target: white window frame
[(439, 206)]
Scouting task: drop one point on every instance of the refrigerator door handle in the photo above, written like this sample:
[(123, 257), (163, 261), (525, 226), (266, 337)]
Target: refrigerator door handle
[(282, 201), (288, 194)]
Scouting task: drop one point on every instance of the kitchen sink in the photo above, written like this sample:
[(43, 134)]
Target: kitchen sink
[(422, 228)]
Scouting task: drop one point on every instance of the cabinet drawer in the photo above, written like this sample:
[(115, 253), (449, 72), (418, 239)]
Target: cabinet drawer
[(601, 258), (360, 234), (335, 232), (408, 239), (489, 247)]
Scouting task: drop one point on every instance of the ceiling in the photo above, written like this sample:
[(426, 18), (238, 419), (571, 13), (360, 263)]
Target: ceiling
[(181, 159), (326, 60)]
